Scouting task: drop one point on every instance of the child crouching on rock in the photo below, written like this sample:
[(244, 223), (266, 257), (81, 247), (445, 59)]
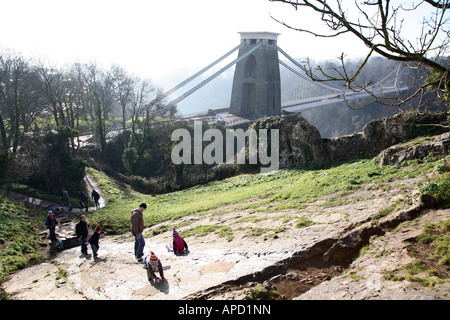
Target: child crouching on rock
[(153, 264)]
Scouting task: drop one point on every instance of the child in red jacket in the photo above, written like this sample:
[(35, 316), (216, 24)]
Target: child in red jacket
[(179, 245)]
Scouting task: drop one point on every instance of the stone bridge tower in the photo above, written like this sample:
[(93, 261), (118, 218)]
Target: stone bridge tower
[(256, 85)]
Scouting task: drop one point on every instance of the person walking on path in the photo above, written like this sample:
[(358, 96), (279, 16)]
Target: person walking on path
[(95, 196), (83, 200), (51, 222), (137, 226), (81, 231), (66, 199), (93, 240)]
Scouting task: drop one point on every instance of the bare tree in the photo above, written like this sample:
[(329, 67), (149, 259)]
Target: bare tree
[(123, 90), (380, 25), (19, 99), (139, 100)]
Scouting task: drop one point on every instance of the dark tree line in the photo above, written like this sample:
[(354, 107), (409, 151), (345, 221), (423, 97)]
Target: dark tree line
[(45, 111)]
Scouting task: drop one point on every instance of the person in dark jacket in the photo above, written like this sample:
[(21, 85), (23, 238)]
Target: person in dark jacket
[(50, 222), (96, 196), (83, 200), (81, 230), (66, 199), (93, 240)]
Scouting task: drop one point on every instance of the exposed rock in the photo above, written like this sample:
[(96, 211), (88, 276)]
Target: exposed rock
[(381, 134), (439, 146), (301, 144), (366, 278)]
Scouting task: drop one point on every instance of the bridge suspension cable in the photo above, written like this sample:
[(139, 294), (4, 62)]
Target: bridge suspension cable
[(173, 102), (326, 86), (165, 94)]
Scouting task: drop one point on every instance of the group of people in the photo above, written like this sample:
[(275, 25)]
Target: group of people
[(84, 200), (81, 230), (152, 262)]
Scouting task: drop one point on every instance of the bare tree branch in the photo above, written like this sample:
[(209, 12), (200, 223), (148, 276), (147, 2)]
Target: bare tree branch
[(380, 26), (382, 33)]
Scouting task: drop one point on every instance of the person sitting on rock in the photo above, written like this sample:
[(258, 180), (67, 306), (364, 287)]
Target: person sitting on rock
[(179, 245), (153, 265)]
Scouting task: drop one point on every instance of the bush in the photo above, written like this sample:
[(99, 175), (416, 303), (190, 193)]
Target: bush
[(436, 193)]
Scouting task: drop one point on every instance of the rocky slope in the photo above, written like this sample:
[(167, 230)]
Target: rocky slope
[(317, 261)]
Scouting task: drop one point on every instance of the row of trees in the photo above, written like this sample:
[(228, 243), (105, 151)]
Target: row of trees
[(50, 107), (35, 94)]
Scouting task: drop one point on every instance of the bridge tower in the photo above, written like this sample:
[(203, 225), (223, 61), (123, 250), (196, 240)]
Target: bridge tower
[(256, 85)]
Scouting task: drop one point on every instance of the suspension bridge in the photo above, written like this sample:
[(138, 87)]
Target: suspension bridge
[(304, 93), (258, 55)]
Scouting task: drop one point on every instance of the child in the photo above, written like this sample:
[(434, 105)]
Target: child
[(93, 240), (51, 223), (179, 245), (153, 265)]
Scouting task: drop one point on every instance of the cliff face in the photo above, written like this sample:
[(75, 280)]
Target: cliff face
[(381, 134), (438, 146), (302, 145)]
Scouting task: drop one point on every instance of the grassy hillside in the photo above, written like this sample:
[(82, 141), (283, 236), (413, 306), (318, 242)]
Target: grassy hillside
[(283, 190), (19, 226)]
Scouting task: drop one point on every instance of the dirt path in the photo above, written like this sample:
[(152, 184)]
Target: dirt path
[(91, 183)]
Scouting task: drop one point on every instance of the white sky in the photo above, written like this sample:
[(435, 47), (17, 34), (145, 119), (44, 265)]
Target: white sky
[(154, 38), (149, 37)]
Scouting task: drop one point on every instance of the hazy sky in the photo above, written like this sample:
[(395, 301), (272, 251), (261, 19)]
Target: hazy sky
[(149, 37), (154, 38)]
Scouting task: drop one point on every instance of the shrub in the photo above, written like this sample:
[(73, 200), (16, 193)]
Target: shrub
[(436, 193), (303, 222)]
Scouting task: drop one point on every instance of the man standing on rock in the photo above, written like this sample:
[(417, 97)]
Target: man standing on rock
[(81, 230), (137, 226)]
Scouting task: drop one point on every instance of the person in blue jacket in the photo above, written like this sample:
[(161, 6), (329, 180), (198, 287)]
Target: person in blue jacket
[(50, 222)]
